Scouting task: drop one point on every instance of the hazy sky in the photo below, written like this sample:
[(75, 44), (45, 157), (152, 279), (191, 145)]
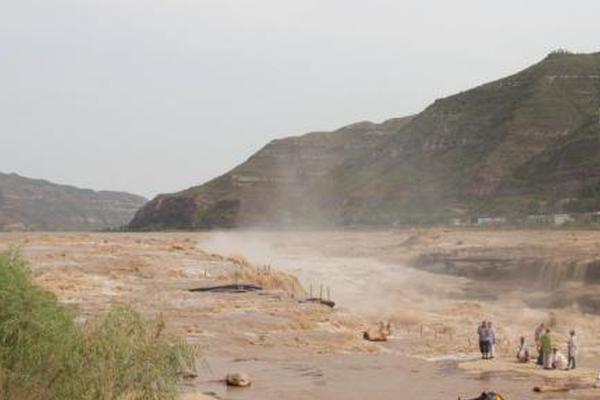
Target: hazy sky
[(154, 96)]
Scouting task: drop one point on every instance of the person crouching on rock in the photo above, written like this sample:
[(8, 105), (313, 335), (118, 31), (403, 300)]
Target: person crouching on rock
[(522, 351), (559, 361)]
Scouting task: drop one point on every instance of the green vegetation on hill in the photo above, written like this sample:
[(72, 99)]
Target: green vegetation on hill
[(46, 355), (527, 143)]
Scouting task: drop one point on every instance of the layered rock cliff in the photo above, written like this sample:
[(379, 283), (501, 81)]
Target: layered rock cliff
[(525, 144)]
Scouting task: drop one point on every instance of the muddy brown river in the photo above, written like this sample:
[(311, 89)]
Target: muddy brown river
[(294, 350), (357, 377), (369, 274)]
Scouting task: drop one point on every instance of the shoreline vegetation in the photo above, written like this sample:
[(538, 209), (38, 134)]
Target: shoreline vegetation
[(46, 354)]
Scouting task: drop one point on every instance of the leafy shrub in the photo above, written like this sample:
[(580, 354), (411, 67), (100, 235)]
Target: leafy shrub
[(46, 355)]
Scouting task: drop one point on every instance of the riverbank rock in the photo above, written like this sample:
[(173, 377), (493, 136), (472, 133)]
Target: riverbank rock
[(379, 333), (238, 379)]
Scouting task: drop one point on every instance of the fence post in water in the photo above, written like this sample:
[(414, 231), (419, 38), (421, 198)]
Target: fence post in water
[(328, 294), (321, 292), (311, 291)]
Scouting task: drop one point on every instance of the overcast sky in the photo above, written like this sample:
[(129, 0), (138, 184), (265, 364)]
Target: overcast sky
[(152, 96)]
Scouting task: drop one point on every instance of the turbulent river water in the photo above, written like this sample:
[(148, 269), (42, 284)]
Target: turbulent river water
[(361, 279), (295, 350)]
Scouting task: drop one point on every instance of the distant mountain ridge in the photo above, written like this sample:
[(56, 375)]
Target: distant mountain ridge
[(525, 144), (39, 205)]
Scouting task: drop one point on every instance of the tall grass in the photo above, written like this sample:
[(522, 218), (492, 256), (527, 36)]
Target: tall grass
[(46, 355)]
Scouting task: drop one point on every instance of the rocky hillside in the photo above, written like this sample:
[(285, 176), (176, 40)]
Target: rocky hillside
[(525, 144), (32, 204)]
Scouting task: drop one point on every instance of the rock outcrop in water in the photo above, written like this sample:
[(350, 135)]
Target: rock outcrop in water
[(525, 144), (34, 204)]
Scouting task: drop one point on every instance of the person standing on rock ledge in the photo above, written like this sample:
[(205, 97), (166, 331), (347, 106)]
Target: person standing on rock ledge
[(547, 349), (572, 348), (492, 339), (480, 335), (485, 340), (539, 332)]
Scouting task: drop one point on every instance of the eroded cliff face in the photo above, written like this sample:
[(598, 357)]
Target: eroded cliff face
[(533, 269), (547, 269), (31, 204), (288, 181), (521, 145)]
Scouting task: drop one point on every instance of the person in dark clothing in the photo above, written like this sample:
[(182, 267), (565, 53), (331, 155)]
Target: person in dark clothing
[(572, 349), (487, 396), (486, 337), (481, 337), (522, 351)]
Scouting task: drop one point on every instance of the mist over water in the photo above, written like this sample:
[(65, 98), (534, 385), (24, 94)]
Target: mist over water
[(366, 276), (360, 284)]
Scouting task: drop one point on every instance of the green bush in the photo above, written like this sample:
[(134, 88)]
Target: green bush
[(46, 355)]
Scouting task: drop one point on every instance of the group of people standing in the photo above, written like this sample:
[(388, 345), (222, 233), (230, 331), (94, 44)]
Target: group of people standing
[(487, 340), (549, 355)]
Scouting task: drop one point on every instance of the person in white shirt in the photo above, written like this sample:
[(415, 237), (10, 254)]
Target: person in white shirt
[(559, 361)]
